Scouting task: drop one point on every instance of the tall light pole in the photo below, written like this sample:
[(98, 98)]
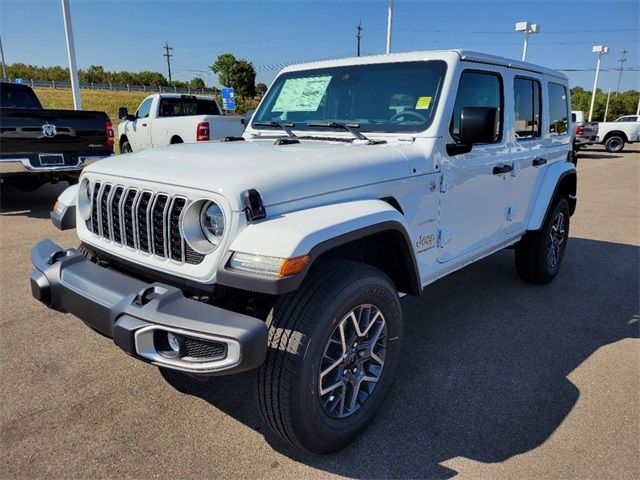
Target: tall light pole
[(71, 53), (4, 68), (528, 29), (600, 50), (389, 24), (622, 59)]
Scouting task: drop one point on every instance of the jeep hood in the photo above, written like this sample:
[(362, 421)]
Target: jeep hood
[(281, 173)]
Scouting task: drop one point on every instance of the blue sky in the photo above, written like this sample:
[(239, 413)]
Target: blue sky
[(130, 35)]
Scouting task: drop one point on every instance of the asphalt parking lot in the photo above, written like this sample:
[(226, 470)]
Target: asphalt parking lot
[(499, 378)]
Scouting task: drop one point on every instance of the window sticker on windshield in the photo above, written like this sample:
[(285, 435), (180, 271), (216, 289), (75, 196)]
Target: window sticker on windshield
[(423, 103), (301, 94)]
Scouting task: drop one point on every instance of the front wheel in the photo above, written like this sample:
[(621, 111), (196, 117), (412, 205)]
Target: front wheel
[(539, 254), (614, 144), (334, 346)]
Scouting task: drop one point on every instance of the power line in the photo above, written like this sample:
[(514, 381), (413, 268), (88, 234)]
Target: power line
[(168, 55), (358, 37)]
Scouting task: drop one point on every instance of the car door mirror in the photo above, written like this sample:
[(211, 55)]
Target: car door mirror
[(123, 113), (247, 117), (477, 125)]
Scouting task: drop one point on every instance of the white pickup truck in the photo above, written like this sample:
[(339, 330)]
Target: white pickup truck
[(167, 119), (614, 135)]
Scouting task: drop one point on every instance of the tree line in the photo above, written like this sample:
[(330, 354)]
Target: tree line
[(620, 103), (98, 74)]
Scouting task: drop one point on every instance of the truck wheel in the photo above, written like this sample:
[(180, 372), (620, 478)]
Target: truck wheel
[(126, 147), (539, 254), (334, 346), (614, 144)]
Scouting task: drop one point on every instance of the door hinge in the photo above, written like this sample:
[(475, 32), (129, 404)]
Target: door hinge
[(443, 184), (444, 237)]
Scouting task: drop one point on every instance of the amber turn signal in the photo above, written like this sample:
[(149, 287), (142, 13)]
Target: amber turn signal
[(291, 266)]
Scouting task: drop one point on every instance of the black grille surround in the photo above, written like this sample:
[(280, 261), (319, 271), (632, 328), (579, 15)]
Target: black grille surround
[(142, 220)]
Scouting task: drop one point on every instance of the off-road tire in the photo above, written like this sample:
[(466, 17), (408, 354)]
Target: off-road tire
[(300, 326), (614, 144), (531, 253)]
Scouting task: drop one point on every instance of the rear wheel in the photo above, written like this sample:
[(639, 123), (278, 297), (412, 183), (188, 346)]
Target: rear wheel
[(125, 147), (334, 346), (539, 254), (614, 144)]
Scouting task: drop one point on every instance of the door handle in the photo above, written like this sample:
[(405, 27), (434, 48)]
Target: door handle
[(144, 124), (500, 169), (539, 161)]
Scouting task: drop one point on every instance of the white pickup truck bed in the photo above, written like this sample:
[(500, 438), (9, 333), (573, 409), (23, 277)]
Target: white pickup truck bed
[(165, 119)]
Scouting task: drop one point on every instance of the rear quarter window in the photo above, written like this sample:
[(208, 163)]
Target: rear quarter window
[(558, 109)]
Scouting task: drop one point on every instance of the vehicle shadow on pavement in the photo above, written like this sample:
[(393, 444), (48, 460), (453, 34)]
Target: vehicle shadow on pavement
[(485, 364), (36, 204)]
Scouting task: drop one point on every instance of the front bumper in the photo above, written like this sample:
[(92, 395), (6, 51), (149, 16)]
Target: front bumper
[(138, 315)]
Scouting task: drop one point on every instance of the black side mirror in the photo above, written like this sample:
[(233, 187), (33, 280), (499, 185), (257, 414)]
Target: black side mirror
[(477, 125), (247, 117), (123, 113)]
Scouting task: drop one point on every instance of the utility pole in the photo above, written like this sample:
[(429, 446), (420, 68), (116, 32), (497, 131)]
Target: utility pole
[(358, 37), (168, 55), (622, 59), (600, 50), (389, 25), (71, 54), (4, 68)]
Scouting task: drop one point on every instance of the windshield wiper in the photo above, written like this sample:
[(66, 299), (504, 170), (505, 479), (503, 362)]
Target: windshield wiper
[(282, 126), (349, 127)]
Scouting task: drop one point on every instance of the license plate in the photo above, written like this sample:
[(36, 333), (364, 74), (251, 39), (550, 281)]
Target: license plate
[(51, 159)]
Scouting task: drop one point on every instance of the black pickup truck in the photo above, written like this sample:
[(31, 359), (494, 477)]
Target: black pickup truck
[(39, 145)]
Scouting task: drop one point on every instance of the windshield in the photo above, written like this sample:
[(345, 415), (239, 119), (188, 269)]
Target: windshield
[(389, 97)]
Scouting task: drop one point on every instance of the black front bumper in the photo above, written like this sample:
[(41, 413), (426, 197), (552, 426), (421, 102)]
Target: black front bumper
[(133, 312)]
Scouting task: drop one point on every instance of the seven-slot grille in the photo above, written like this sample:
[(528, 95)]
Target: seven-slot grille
[(140, 219)]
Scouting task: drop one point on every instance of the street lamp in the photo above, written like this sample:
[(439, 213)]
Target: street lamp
[(527, 28), (600, 50)]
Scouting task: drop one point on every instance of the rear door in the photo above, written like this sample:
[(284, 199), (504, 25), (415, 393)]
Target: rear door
[(529, 156), (474, 190)]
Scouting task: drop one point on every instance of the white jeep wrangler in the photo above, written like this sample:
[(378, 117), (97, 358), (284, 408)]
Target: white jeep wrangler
[(357, 181)]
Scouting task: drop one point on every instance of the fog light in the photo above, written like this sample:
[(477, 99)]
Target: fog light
[(174, 342)]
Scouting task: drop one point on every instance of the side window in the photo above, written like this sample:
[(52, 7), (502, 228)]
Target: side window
[(478, 89), (526, 96), (144, 108), (558, 109)]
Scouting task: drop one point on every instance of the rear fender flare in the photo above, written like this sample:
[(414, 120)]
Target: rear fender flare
[(554, 175)]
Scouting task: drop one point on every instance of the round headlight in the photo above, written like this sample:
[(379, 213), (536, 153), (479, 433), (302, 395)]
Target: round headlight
[(84, 199), (202, 225), (212, 222)]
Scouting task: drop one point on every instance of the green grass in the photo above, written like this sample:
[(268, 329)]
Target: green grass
[(100, 100)]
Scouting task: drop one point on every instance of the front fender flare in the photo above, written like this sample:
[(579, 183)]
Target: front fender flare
[(311, 232), (551, 181), (63, 216)]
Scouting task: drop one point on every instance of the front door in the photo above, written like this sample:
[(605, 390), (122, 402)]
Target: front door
[(138, 131), (475, 185)]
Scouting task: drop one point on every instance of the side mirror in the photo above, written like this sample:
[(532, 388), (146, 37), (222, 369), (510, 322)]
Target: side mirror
[(247, 117), (477, 125), (123, 113)]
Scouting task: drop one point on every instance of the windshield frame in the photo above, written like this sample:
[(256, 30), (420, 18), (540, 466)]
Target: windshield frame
[(369, 128)]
